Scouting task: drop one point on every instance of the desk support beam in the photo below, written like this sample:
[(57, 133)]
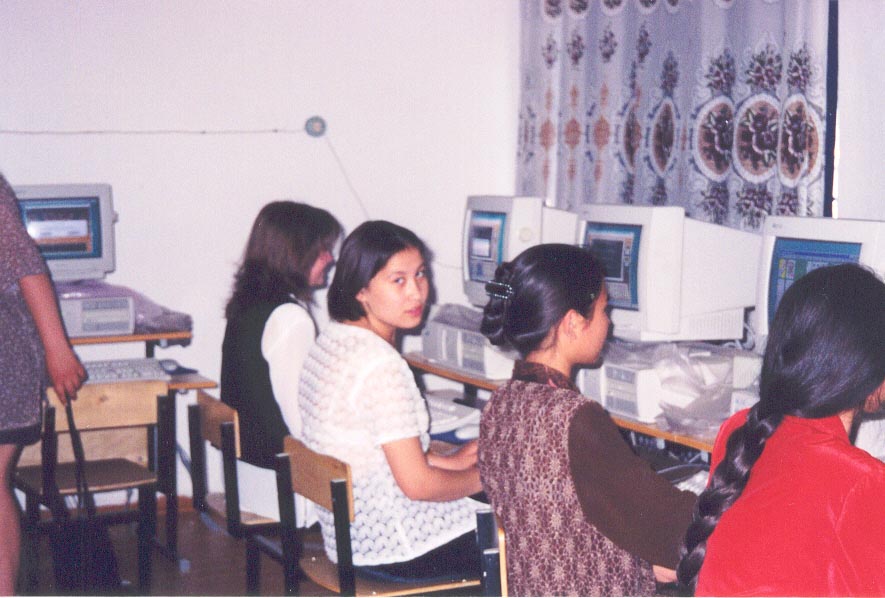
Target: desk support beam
[(166, 470)]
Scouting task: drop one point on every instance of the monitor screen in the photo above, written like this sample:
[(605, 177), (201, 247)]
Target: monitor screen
[(72, 226), (64, 228), (485, 244), (794, 258), (616, 246)]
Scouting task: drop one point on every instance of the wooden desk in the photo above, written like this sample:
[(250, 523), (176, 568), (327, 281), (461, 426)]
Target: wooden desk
[(151, 340), (472, 381), (162, 448)]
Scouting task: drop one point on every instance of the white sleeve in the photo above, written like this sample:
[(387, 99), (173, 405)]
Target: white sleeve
[(288, 335), (391, 398)]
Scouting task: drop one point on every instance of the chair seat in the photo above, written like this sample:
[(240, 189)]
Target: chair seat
[(102, 475), (317, 566), (218, 507)]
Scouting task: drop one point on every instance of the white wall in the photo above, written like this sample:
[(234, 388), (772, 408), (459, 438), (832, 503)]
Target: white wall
[(861, 144), (420, 97)]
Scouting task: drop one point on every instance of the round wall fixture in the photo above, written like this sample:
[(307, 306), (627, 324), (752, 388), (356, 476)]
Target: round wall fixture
[(315, 126)]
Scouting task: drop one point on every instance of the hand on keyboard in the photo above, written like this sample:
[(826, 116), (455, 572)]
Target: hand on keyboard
[(124, 370)]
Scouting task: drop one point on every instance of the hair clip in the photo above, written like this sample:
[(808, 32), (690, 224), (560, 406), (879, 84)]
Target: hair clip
[(501, 290)]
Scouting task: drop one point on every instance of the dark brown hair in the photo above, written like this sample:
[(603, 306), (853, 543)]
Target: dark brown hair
[(286, 239)]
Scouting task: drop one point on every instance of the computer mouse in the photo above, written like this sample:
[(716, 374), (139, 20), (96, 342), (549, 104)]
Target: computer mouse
[(467, 432), (170, 366)]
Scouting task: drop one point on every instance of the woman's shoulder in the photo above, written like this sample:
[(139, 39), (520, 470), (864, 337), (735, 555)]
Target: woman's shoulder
[(734, 422), (259, 311), (527, 394), (354, 343), (288, 311), (869, 467), (535, 387), (725, 430)]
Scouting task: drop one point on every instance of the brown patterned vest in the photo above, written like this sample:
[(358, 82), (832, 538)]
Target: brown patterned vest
[(524, 465)]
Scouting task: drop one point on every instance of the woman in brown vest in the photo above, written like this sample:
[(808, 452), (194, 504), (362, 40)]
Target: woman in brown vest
[(583, 515)]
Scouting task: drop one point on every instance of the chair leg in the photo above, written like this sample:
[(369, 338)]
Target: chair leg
[(253, 568), (290, 546), (290, 540), (346, 575), (198, 458), (231, 481), (31, 543), (147, 529), (491, 572)]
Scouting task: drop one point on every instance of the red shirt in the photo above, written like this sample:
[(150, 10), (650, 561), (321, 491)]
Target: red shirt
[(810, 522)]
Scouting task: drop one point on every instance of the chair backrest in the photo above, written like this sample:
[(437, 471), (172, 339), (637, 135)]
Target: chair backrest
[(105, 406), (312, 473), (492, 547), (214, 413), (218, 423), (502, 560), (108, 414)]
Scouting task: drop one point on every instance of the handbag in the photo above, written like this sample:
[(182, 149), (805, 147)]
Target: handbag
[(83, 557)]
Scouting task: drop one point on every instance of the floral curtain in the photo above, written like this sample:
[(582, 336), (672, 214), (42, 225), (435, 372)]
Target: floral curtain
[(714, 105)]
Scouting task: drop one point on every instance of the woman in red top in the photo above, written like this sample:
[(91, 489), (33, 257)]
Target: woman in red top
[(792, 508)]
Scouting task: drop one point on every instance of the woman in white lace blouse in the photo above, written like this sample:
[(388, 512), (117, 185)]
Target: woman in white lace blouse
[(359, 402)]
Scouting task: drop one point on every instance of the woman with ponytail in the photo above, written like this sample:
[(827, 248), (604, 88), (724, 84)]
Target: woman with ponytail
[(792, 508), (583, 515)]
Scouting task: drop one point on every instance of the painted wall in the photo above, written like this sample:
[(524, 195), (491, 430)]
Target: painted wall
[(861, 143), (420, 97)]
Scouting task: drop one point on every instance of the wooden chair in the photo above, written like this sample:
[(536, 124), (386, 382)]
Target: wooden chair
[(98, 407), (492, 547), (327, 482), (213, 421)]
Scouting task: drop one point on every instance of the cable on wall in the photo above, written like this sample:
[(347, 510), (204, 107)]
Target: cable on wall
[(315, 126), (133, 132)]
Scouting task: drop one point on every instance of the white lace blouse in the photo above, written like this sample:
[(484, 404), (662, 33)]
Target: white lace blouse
[(357, 393)]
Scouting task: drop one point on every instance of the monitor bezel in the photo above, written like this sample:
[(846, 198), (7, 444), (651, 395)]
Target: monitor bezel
[(522, 228), (84, 267), (870, 234)]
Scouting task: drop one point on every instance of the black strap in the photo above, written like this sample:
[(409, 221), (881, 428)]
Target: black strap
[(84, 496), (85, 500)]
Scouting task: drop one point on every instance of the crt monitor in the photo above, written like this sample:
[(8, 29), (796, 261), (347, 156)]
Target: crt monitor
[(497, 228), (73, 225), (793, 246), (670, 277)]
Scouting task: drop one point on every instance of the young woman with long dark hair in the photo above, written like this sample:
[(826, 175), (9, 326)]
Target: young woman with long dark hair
[(792, 508), (583, 515), (269, 331)]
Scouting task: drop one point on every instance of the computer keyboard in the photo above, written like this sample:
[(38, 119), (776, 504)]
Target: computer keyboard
[(124, 370), (447, 415), (696, 483), (685, 475)]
